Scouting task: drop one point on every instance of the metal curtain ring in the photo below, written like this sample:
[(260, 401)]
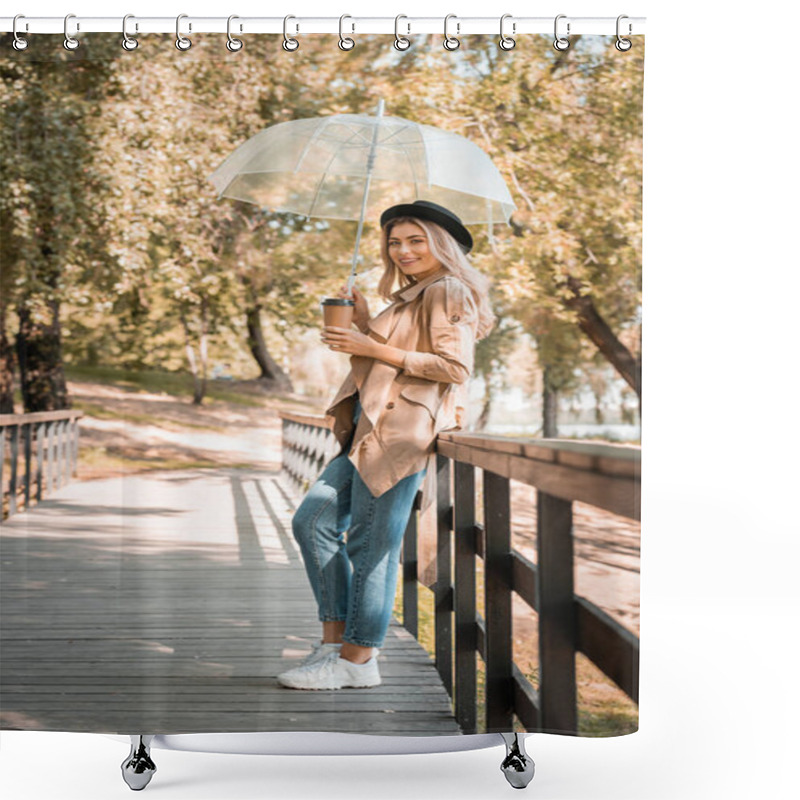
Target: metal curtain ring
[(560, 42), (128, 42), (451, 42), (400, 42), (182, 42), (623, 45), (507, 42), (19, 43), (345, 42), (289, 44), (234, 45), (70, 43)]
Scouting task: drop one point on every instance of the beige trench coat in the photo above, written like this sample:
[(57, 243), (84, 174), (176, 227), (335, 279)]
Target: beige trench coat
[(403, 409)]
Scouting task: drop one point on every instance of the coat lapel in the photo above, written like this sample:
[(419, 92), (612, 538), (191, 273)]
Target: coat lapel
[(384, 324)]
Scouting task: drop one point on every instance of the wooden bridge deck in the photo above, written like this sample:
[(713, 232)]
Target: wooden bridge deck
[(168, 603)]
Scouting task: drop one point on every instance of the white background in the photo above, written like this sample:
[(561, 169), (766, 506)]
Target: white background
[(720, 535)]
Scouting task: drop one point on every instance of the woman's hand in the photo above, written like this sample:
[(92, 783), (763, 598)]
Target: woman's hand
[(343, 340), (361, 311)]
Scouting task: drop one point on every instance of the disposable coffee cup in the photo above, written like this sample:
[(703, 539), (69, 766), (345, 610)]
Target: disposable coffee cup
[(338, 312)]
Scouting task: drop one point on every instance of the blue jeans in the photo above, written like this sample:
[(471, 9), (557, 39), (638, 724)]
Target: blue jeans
[(354, 579)]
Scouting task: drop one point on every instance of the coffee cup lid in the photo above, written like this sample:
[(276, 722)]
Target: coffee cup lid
[(337, 301)]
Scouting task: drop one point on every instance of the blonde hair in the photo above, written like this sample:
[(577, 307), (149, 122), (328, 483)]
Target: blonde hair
[(448, 253)]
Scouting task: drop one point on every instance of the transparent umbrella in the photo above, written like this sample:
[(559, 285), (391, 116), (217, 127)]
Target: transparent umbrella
[(350, 166)]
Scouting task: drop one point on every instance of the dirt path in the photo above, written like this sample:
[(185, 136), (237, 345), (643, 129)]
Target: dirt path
[(134, 431)]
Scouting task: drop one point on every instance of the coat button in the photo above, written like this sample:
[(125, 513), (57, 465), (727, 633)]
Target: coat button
[(455, 318), (390, 405)]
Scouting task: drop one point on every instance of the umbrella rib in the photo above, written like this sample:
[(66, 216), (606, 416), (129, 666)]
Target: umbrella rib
[(311, 141), (413, 172), (400, 129), (353, 131), (323, 175)]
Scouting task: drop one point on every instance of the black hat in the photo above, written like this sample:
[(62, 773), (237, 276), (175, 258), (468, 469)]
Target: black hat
[(424, 209)]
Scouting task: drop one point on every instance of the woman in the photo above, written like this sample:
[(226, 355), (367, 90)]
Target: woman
[(409, 368)]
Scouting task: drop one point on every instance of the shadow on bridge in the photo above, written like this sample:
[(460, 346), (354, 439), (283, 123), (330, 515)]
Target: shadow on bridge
[(168, 603)]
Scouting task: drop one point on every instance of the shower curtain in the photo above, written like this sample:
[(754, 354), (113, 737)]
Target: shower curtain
[(164, 386)]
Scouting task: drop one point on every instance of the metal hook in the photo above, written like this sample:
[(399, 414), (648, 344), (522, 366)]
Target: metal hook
[(19, 43), (128, 42), (70, 43), (234, 45), (289, 44), (182, 42), (451, 42), (623, 45), (560, 43), (507, 42), (345, 42), (400, 42)]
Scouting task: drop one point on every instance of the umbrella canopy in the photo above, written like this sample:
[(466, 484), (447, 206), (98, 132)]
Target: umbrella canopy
[(325, 167)]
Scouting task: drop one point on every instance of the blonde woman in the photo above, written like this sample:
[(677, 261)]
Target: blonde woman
[(409, 368)]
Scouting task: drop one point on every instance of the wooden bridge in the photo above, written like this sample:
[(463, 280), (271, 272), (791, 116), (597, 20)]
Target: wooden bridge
[(167, 603)]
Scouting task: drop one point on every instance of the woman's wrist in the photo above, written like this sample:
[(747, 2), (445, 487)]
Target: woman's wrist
[(391, 355)]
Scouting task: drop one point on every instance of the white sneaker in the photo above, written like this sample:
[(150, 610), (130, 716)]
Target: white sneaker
[(332, 672), (320, 651)]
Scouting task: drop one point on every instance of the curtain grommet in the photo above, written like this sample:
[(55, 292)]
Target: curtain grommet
[(182, 42), (128, 42), (289, 44), (234, 45), (19, 43), (70, 42), (560, 43), (507, 42), (451, 42), (622, 44), (345, 42), (401, 43)]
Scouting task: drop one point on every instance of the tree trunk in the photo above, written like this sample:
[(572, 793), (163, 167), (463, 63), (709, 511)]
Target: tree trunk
[(199, 380), (483, 419), (42, 381), (6, 367), (596, 328), (271, 373), (549, 409)]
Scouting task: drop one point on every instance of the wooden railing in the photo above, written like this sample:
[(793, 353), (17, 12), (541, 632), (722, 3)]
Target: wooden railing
[(51, 437), (602, 475)]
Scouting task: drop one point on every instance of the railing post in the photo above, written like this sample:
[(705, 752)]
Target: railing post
[(466, 627), (40, 433), (2, 462), (50, 456), (26, 435), (12, 489), (410, 601), (498, 578), (556, 606), (443, 591), (72, 465)]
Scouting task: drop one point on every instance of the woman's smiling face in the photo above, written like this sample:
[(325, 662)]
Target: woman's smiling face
[(408, 249)]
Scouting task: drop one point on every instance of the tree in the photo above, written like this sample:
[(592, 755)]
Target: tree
[(52, 231)]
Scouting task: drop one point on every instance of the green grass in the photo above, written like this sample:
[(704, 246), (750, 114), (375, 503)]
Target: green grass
[(603, 709), (176, 384), (101, 412), (96, 459)]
